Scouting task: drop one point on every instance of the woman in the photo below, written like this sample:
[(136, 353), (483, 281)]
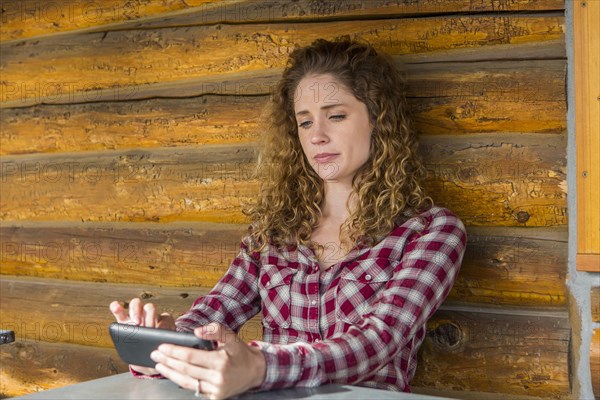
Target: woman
[(346, 256)]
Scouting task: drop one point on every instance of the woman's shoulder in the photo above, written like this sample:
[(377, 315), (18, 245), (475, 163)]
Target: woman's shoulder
[(433, 217), (442, 219)]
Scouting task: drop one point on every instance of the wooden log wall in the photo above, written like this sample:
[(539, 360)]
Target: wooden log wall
[(128, 133)]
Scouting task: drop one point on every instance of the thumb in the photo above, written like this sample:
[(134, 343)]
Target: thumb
[(216, 332)]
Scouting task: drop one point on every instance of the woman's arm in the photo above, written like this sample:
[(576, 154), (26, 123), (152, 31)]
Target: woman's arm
[(234, 299), (420, 282)]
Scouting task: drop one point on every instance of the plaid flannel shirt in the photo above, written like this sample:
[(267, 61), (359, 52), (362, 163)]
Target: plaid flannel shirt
[(361, 321)]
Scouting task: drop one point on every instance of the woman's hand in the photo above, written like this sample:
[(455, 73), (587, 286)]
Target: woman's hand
[(143, 315), (233, 368)]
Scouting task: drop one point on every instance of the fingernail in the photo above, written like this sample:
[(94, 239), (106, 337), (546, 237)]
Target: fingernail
[(155, 356)]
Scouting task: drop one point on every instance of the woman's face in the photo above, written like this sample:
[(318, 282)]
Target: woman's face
[(333, 127)]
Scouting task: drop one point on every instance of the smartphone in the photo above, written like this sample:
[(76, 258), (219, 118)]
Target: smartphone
[(135, 343)]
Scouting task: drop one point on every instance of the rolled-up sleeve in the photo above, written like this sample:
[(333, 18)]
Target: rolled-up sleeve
[(234, 299)]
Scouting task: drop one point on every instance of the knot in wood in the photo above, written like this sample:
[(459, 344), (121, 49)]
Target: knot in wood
[(145, 295), (523, 216), (447, 335)]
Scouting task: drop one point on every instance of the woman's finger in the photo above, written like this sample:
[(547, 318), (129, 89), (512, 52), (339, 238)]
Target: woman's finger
[(181, 366), (208, 390), (194, 383), (119, 312), (149, 315), (185, 381), (135, 311), (197, 357)]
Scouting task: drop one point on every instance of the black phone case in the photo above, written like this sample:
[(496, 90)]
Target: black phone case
[(135, 343)]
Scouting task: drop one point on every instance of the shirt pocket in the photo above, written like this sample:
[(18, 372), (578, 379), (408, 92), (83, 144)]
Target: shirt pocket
[(360, 288), (274, 284)]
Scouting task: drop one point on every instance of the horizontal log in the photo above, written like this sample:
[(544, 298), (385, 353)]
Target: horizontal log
[(30, 18), (520, 352), (175, 254), (131, 124), (595, 303), (31, 366), (504, 180), (501, 350), (262, 81), (514, 266), (77, 312), (453, 98), (595, 362), (518, 180), (527, 97), (206, 184), (128, 58), (471, 395), (503, 266)]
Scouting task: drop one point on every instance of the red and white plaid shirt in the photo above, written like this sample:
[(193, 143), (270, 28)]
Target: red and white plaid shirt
[(361, 321)]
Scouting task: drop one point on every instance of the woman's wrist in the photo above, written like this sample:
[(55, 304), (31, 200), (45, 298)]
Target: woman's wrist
[(260, 367)]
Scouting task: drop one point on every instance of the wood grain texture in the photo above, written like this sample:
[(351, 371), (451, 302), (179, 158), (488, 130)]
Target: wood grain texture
[(588, 262), (31, 18), (530, 358), (501, 180), (261, 81), (586, 49), (207, 183), (514, 266), (109, 61), (595, 362), (30, 366), (152, 123), (132, 124), (494, 96), (520, 352), (176, 254), (595, 303), (502, 266), (445, 98), (68, 316), (518, 179)]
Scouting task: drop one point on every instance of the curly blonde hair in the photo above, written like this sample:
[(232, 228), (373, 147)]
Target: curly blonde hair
[(387, 186)]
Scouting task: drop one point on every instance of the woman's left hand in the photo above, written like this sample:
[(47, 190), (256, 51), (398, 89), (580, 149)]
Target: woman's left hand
[(233, 368)]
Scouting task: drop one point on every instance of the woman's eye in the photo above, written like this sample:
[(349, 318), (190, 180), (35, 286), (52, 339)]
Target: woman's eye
[(338, 117), (305, 124)]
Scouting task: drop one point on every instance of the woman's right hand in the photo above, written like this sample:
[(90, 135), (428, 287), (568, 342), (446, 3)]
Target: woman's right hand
[(143, 315)]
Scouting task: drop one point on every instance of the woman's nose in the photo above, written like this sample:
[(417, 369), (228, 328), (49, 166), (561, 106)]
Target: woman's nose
[(319, 133)]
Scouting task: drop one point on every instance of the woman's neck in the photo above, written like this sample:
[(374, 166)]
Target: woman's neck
[(334, 208)]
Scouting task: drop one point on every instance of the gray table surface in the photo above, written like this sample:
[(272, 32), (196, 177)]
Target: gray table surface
[(126, 387)]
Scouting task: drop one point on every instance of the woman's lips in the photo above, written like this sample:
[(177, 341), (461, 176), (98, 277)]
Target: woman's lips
[(325, 157)]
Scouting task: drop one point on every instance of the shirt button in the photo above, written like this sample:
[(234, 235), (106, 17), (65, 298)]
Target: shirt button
[(313, 302), (268, 284), (368, 277)]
